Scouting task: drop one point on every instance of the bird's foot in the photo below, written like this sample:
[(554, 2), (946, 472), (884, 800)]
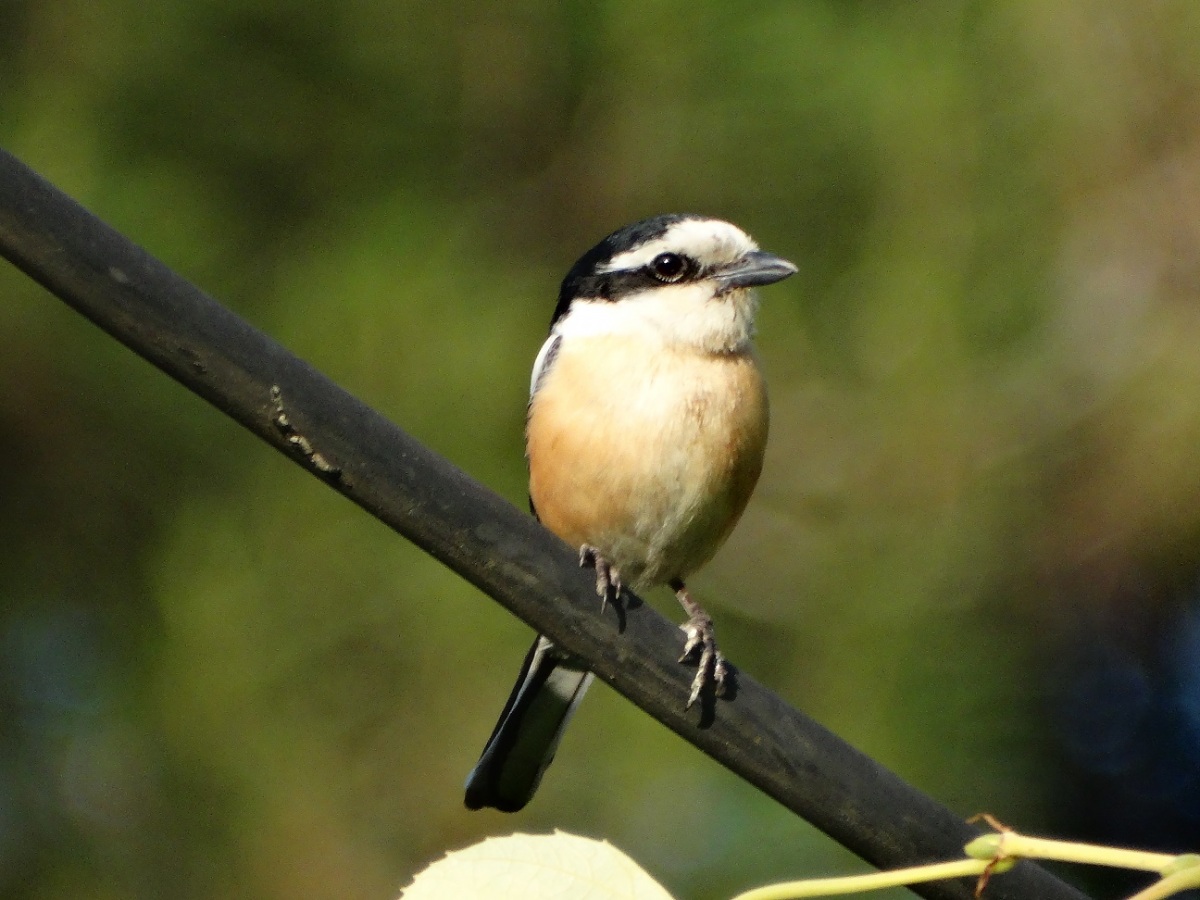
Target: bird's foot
[(711, 668), (608, 579)]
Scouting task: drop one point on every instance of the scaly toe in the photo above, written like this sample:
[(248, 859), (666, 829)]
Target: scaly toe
[(697, 687), (608, 579), (711, 667), (720, 674), (695, 637)]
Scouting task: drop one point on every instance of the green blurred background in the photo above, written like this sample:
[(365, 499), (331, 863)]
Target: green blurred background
[(977, 527)]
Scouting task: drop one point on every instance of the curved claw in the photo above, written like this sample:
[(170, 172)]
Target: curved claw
[(711, 668)]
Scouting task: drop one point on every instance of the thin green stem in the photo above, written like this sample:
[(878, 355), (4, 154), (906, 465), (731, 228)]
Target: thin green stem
[(997, 853), (1170, 885), (853, 884), (1010, 843)]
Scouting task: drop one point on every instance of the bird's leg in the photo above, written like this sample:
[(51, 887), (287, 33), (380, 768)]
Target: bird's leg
[(608, 579), (699, 631)]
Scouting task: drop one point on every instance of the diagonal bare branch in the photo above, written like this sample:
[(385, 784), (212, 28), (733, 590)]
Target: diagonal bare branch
[(287, 403)]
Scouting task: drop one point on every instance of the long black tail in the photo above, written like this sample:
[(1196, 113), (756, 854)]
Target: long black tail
[(524, 740)]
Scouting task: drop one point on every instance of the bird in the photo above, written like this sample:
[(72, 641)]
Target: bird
[(645, 433)]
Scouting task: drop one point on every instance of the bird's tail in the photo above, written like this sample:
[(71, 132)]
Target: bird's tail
[(524, 740)]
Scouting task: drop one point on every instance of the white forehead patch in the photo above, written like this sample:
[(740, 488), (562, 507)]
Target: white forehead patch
[(710, 242)]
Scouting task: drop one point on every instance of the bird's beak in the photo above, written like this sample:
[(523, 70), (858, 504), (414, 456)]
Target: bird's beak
[(752, 270)]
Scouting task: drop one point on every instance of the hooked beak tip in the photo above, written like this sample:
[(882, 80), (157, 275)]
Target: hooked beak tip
[(754, 270)]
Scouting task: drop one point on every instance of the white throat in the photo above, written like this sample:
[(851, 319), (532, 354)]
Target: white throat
[(684, 316)]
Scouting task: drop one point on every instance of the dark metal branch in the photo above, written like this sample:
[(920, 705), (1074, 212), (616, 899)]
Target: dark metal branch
[(248, 376)]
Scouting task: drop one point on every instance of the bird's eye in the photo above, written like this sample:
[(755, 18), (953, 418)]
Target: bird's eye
[(668, 267)]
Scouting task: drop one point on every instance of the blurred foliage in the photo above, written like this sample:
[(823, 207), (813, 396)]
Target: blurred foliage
[(975, 547)]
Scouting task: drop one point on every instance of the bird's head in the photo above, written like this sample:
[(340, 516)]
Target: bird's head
[(677, 279)]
